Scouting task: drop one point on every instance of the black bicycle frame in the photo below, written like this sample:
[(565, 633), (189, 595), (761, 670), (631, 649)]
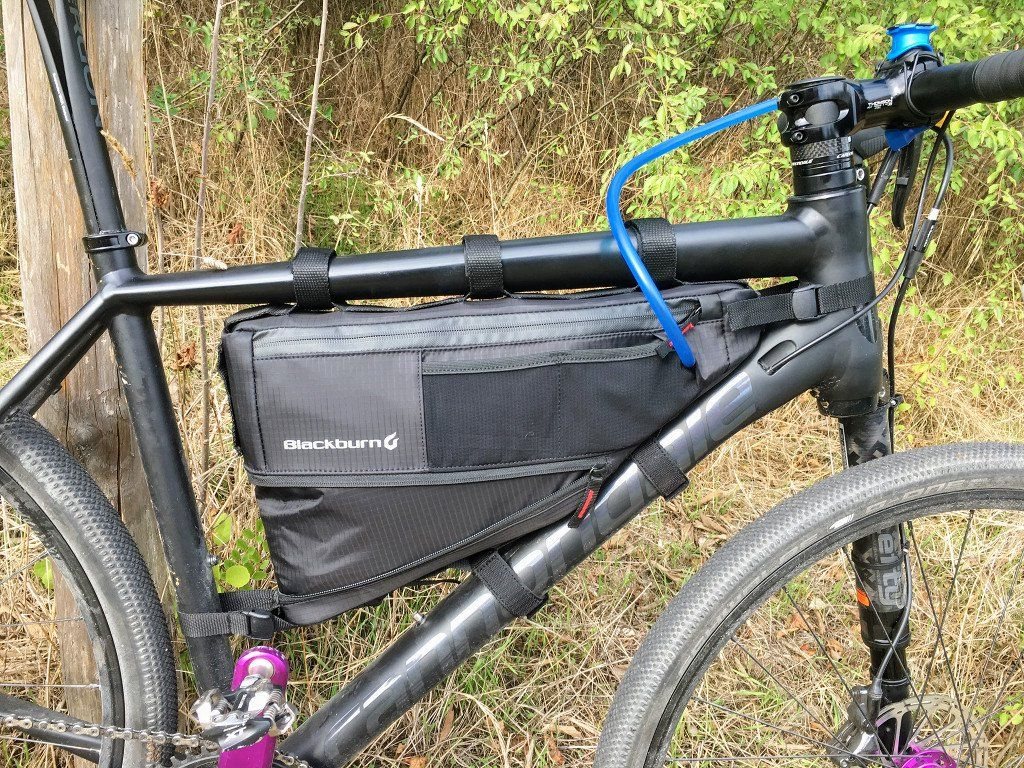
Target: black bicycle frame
[(821, 238)]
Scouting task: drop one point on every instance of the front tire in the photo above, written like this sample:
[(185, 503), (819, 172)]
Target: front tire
[(686, 667)]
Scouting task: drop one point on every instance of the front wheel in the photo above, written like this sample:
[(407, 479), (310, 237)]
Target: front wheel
[(759, 660)]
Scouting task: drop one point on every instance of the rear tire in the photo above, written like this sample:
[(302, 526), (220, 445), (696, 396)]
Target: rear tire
[(92, 550), (659, 689)]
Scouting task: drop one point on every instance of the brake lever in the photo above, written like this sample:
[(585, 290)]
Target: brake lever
[(909, 159), (881, 181)]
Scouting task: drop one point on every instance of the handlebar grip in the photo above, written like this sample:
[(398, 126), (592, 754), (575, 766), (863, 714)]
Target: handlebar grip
[(997, 78)]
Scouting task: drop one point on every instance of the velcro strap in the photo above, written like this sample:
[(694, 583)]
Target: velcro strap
[(483, 266), (656, 244), (247, 613), (658, 466), (311, 278), (807, 303), (504, 583)]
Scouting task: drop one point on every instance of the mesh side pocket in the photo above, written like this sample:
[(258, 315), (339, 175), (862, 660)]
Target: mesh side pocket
[(567, 406)]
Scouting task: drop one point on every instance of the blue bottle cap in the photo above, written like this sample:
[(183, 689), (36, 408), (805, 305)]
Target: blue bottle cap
[(907, 37)]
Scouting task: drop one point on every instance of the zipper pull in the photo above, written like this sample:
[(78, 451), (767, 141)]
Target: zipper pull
[(594, 482), (686, 325)]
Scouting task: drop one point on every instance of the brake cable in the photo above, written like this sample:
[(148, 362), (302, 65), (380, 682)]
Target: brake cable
[(921, 233)]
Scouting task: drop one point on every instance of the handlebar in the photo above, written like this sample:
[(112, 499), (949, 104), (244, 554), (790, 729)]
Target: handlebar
[(907, 94), (996, 78)]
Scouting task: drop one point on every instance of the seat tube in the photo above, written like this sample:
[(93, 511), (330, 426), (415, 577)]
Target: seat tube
[(61, 37), (156, 431)]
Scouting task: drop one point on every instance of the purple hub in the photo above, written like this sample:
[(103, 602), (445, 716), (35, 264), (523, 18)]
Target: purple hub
[(926, 758), (271, 664)]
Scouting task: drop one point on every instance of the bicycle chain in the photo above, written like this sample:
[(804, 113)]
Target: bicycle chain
[(151, 736)]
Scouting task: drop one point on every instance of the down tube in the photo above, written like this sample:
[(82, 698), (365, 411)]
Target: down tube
[(464, 621)]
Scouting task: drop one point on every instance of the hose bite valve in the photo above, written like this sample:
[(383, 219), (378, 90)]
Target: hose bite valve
[(247, 722)]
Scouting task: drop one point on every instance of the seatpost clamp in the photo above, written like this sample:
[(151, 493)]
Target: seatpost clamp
[(121, 240)]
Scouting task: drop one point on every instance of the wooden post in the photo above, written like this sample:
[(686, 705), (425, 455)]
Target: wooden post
[(88, 414)]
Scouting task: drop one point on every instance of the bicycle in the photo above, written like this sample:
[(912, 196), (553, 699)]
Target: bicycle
[(868, 527)]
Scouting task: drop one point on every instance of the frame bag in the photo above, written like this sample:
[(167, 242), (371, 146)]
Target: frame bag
[(388, 444)]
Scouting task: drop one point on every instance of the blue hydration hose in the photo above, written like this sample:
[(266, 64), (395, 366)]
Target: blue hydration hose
[(618, 226)]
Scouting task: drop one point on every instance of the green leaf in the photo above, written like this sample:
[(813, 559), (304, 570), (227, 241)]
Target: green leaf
[(43, 571), (222, 530), (237, 576)]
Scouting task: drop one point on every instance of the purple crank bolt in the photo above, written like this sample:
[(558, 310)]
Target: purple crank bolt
[(270, 664)]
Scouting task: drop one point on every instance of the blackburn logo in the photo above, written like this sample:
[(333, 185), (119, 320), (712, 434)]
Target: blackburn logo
[(389, 443)]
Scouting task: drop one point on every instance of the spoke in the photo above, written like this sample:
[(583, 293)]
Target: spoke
[(40, 623), (771, 726), (835, 667), (941, 642), (918, 696), (996, 633), (49, 685), (997, 701), (949, 599), (27, 740), (38, 558), (779, 683)]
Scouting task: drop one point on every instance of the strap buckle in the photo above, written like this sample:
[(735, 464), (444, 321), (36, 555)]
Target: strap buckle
[(260, 625), (805, 303), (114, 241)]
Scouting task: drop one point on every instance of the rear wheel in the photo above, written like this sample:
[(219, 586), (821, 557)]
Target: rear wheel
[(759, 659), (82, 632)]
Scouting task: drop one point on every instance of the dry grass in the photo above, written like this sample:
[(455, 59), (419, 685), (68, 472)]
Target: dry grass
[(535, 696)]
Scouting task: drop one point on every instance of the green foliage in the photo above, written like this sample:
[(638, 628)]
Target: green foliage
[(680, 62), (43, 571), (262, 83), (246, 560)]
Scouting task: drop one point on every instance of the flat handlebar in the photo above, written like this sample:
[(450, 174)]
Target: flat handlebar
[(996, 78)]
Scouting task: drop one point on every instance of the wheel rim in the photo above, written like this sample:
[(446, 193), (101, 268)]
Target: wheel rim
[(777, 689)]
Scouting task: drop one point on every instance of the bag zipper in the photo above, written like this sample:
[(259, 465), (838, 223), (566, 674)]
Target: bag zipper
[(414, 339), (595, 480)]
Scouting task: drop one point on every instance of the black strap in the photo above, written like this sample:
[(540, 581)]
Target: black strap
[(656, 244), (483, 266), (508, 589), (806, 303), (658, 466), (246, 613), (311, 277)]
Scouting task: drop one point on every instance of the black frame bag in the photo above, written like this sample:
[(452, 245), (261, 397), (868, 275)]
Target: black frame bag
[(387, 444)]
